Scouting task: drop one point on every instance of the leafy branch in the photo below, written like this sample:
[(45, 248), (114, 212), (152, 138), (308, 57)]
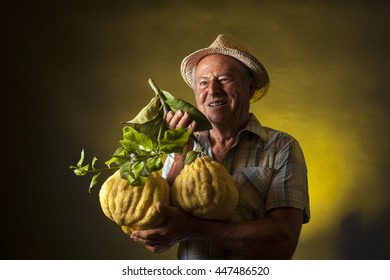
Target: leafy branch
[(81, 170), (146, 138)]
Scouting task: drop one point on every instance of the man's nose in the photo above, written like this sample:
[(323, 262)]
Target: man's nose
[(214, 87)]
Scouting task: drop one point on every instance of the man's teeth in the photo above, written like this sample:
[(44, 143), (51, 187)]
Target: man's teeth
[(216, 104)]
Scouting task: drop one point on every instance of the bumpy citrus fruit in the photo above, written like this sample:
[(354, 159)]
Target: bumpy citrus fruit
[(205, 189), (133, 207)]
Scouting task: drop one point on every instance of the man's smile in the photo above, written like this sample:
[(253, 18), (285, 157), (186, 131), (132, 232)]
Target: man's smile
[(217, 103)]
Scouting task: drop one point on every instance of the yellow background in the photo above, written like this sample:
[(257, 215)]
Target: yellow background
[(73, 71)]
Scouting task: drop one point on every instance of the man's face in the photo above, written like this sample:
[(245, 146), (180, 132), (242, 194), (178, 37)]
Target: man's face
[(223, 89)]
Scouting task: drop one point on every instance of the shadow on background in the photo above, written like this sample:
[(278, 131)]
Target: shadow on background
[(365, 241)]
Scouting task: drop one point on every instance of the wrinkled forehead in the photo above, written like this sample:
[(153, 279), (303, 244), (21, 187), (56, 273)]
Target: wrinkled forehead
[(220, 62)]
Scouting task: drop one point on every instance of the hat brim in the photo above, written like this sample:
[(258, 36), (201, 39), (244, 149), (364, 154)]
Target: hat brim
[(260, 75)]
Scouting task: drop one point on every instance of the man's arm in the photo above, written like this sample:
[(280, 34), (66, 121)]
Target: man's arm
[(273, 237)]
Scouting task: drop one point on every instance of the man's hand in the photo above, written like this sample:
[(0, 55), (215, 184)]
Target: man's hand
[(179, 120), (173, 121), (177, 227)]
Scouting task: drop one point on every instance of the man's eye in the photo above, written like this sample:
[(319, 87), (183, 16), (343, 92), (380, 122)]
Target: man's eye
[(224, 80)]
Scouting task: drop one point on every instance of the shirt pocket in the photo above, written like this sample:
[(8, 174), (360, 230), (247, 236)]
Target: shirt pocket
[(252, 184)]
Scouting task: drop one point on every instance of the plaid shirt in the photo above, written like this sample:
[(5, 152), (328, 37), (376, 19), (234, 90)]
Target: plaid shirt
[(269, 171)]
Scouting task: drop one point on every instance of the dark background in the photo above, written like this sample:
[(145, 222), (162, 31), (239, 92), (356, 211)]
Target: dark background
[(71, 71)]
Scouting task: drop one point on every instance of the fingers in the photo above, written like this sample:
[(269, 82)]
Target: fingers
[(149, 241), (143, 241), (192, 126), (143, 236), (139, 237), (166, 209), (169, 118), (178, 119)]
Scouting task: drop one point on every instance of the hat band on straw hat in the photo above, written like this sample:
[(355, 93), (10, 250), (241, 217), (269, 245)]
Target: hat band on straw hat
[(226, 46)]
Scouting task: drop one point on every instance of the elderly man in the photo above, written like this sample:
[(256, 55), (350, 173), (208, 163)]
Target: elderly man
[(268, 166)]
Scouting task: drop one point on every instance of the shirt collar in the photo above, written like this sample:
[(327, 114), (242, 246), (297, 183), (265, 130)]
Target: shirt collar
[(252, 126), (255, 127)]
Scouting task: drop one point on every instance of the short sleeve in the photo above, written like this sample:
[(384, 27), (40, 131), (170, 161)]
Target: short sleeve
[(289, 186)]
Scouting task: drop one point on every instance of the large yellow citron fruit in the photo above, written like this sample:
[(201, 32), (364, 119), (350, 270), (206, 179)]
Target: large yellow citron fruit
[(205, 189), (133, 207)]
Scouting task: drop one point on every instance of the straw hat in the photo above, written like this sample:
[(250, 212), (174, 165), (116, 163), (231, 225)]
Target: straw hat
[(226, 46)]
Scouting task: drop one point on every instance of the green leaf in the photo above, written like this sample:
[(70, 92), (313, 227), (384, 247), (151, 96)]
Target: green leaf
[(167, 95), (139, 169), (93, 163), (111, 161), (134, 140), (202, 123), (148, 113), (152, 127), (129, 145), (120, 156), (191, 156), (94, 181), (141, 180), (78, 172), (125, 171), (126, 176), (82, 170), (81, 160), (154, 164), (174, 140), (133, 173)]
